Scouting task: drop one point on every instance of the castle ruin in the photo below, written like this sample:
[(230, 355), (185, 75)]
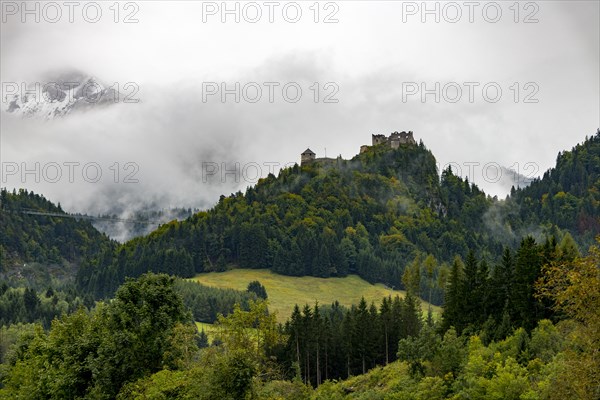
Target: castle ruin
[(394, 141), (309, 157)]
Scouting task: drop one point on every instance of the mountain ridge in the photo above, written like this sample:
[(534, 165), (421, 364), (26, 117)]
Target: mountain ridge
[(58, 96)]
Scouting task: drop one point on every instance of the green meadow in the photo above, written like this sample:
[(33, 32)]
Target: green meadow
[(286, 291)]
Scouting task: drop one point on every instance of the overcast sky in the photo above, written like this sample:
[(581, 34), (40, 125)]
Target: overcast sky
[(374, 61)]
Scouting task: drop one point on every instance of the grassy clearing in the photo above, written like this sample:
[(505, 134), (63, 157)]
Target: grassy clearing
[(209, 329), (286, 291)]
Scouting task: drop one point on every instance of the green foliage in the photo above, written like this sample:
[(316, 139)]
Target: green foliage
[(258, 289), (573, 286), (454, 369), (253, 332), (227, 372), (190, 384), (207, 303), (568, 195), (416, 350), (546, 341), (92, 355), (448, 359), (385, 215), (334, 342), (25, 304), (234, 375), (495, 303), (39, 248), (283, 390), (13, 340), (364, 216)]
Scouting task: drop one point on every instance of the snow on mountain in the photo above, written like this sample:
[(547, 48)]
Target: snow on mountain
[(57, 97)]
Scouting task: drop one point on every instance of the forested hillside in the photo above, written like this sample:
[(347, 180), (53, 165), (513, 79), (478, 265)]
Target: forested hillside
[(375, 215), (568, 195), (370, 215), (39, 247), (520, 293)]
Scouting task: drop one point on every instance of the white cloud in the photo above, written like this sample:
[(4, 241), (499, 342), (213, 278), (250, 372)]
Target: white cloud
[(369, 54)]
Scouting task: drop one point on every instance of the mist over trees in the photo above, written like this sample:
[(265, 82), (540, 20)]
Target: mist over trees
[(84, 317)]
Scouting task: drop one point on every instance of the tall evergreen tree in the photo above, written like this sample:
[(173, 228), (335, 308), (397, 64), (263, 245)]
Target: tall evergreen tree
[(527, 309), (453, 303), (500, 287)]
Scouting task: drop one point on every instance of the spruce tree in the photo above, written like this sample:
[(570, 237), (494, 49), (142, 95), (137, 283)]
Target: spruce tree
[(453, 304)]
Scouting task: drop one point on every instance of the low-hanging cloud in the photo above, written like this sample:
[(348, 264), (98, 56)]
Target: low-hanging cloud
[(177, 145)]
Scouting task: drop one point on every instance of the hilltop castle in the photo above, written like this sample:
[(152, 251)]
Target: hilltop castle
[(309, 156), (394, 141)]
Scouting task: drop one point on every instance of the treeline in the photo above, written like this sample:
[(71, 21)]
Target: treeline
[(553, 361), (366, 216), (481, 298), (143, 344), (567, 195), (497, 299), (207, 303), (433, 367), (335, 342), (26, 305)]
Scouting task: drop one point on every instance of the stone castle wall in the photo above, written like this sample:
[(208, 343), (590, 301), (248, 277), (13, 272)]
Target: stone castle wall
[(394, 141)]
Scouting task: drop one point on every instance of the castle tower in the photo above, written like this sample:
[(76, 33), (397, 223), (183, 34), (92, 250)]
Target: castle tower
[(410, 138), (307, 157), (378, 139)]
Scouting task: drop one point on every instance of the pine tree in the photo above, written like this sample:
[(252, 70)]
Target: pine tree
[(360, 335), (469, 295), (317, 329), (482, 292), (308, 338), (386, 318), (528, 310), (412, 276), (321, 265), (500, 287), (430, 266), (294, 332), (453, 304), (411, 317), (202, 339)]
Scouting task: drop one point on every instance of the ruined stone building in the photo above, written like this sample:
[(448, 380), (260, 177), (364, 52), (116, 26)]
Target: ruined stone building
[(394, 141)]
